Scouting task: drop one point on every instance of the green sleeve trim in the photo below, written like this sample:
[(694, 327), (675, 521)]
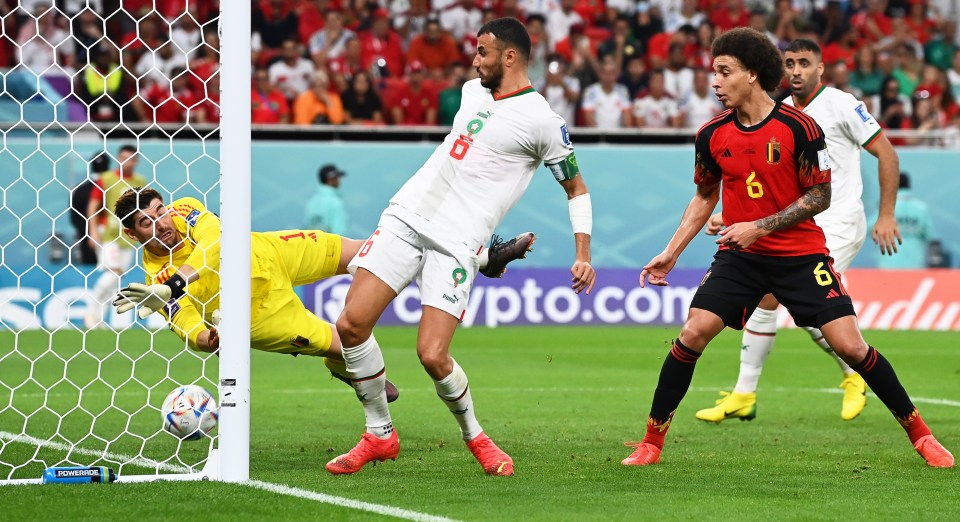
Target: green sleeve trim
[(870, 140)]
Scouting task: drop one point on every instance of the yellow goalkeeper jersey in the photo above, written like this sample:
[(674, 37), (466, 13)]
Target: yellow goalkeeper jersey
[(199, 248)]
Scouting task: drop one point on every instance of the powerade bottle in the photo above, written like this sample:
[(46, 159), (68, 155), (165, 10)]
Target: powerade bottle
[(79, 475)]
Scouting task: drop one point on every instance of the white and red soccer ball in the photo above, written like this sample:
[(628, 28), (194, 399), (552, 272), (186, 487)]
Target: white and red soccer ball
[(189, 412)]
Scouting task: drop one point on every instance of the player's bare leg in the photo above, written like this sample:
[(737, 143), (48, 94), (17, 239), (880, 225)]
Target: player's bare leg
[(853, 385), (675, 376), (433, 347), (844, 336), (366, 300)]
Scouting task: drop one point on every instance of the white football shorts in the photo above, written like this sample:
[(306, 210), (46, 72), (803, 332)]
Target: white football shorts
[(402, 249), (845, 239)]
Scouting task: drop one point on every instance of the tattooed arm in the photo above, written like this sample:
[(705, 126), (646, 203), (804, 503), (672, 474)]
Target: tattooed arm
[(741, 235), (814, 201)]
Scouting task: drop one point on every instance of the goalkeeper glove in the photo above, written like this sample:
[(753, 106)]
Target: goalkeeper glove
[(151, 298)]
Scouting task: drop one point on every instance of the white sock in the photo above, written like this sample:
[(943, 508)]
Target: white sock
[(369, 376), (759, 334), (484, 257), (106, 287), (455, 392), (817, 337)]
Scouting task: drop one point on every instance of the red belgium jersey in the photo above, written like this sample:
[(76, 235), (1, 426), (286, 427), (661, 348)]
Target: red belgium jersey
[(764, 169)]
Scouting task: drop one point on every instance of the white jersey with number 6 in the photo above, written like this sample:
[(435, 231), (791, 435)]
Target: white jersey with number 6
[(485, 164), (847, 127)]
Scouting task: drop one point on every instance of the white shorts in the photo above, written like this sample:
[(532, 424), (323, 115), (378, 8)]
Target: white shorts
[(401, 250), (116, 256), (845, 240)]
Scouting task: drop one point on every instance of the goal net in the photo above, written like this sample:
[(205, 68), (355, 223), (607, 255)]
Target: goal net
[(95, 101)]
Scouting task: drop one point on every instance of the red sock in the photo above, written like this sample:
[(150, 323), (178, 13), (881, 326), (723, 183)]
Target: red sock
[(657, 431), (914, 425)]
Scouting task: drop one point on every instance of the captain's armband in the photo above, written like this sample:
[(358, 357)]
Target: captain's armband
[(566, 169)]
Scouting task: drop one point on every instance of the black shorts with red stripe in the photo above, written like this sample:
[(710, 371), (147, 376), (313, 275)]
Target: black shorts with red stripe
[(806, 285)]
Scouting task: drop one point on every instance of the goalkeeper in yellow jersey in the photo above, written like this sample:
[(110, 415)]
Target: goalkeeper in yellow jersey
[(181, 258)]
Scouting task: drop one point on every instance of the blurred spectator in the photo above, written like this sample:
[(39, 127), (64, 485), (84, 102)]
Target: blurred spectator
[(292, 73), (758, 22), (186, 32), (560, 20), (434, 49), (582, 56), (687, 14), (920, 24), (784, 22), (318, 104), (925, 117), (891, 106), (677, 77), (540, 47), (939, 49), (410, 18), (730, 14), (634, 76), (413, 103), (606, 104), (168, 101), (44, 41), (273, 22), (511, 8), (839, 77), (146, 35), (843, 49), (832, 24), (621, 46), (916, 228), (331, 41), (701, 105), (343, 68), (448, 101), (310, 17), (665, 8), (361, 104), (865, 77), (325, 210), (8, 25), (156, 65), (953, 74), (656, 108), (208, 110), (87, 31), (646, 25), (463, 19), (700, 50), (907, 69), (561, 90), (267, 103), (382, 47), (872, 22), (105, 88), (82, 250), (206, 60)]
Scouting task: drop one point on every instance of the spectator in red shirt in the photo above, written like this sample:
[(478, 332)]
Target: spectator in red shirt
[(414, 103), (168, 102), (208, 109), (267, 104), (383, 43), (921, 26), (732, 14), (343, 68), (873, 23), (435, 49), (147, 35)]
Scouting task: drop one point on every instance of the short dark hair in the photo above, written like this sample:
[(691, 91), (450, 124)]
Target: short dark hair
[(138, 198), (755, 51), (802, 44), (511, 32), (128, 148)]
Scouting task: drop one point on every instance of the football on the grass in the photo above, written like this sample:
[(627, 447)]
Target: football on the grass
[(189, 412)]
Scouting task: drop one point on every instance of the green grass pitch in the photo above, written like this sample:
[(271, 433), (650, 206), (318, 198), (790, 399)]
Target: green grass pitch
[(561, 401)]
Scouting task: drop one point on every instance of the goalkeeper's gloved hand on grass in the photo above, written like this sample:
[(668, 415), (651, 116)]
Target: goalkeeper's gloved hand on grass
[(150, 298)]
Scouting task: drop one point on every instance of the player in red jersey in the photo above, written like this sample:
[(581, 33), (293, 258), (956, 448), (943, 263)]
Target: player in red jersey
[(769, 162)]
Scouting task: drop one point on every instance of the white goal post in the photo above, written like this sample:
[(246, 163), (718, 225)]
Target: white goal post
[(81, 389)]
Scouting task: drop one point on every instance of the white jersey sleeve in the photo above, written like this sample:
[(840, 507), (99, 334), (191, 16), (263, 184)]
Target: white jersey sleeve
[(857, 122), (555, 143)]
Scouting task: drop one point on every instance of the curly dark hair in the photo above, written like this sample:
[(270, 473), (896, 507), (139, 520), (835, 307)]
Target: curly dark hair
[(755, 51), (138, 198)]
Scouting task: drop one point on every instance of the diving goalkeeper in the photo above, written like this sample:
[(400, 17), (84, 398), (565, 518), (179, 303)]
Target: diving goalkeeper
[(181, 258)]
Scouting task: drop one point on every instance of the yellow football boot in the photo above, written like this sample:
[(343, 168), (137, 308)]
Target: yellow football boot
[(854, 396), (733, 405)]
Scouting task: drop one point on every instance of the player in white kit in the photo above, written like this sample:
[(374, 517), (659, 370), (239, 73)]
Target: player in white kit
[(847, 126), (436, 226)]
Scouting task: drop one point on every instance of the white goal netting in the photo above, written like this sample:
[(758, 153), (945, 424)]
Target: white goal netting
[(88, 86)]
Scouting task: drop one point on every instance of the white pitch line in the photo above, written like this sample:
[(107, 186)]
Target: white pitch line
[(379, 509), (102, 454), (279, 489)]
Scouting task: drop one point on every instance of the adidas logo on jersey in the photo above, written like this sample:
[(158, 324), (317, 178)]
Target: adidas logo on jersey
[(726, 154), (832, 293)]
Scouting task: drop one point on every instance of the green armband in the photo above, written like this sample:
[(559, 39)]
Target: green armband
[(566, 169)]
